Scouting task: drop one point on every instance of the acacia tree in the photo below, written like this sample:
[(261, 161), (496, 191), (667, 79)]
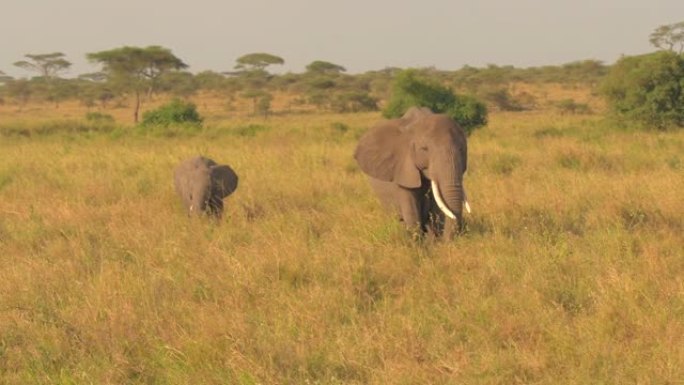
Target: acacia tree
[(324, 67), (48, 67), (257, 61), (253, 77), (136, 69), (252, 68), (669, 36), (322, 82)]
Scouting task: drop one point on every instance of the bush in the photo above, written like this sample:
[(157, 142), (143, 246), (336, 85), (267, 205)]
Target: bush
[(647, 89), (175, 112), (469, 112), (409, 90)]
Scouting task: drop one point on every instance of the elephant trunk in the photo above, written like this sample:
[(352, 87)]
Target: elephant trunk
[(450, 199), (440, 201), (447, 188), (198, 199)]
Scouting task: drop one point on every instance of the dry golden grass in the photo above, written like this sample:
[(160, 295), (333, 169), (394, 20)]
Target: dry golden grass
[(571, 272)]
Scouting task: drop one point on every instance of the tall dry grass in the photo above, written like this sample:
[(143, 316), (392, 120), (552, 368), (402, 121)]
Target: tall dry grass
[(571, 271)]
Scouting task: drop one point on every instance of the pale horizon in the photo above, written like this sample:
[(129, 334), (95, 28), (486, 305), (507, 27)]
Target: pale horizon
[(358, 35)]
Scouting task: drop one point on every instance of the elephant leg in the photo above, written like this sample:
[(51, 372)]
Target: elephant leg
[(411, 210), (404, 202)]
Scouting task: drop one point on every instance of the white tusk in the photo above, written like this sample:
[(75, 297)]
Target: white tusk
[(465, 200), (440, 203)]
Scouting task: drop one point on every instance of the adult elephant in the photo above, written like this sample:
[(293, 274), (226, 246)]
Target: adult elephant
[(416, 166), (202, 184)]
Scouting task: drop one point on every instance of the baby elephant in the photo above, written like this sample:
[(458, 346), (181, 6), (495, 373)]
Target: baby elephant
[(202, 184)]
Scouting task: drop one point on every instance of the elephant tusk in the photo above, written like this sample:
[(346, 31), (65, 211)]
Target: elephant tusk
[(440, 203), (465, 200)]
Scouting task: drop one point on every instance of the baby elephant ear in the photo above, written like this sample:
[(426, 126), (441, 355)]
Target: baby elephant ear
[(224, 179)]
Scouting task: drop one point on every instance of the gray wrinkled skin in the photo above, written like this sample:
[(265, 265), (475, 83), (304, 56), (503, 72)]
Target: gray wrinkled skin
[(403, 156), (202, 184)]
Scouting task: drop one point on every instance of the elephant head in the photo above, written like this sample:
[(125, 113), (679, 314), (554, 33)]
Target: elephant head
[(420, 150), (202, 184)]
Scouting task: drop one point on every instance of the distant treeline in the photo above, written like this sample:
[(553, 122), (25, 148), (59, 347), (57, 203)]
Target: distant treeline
[(323, 85), (647, 89)]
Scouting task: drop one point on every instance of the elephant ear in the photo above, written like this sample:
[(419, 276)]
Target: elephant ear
[(383, 153), (224, 180)]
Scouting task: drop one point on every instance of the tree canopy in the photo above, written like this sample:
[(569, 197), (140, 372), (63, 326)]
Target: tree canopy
[(47, 65), (136, 62), (324, 67), (669, 36), (137, 69), (257, 61)]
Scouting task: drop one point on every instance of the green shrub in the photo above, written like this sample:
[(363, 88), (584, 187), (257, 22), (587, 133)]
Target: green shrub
[(647, 89), (411, 90), (175, 112), (469, 112)]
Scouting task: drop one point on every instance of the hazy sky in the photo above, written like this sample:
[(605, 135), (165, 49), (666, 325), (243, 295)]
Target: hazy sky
[(360, 35)]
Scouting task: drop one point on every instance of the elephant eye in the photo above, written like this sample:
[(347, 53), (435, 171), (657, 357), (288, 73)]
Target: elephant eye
[(423, 148)]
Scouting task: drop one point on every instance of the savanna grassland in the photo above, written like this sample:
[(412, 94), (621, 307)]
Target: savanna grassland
[(571, 270)]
